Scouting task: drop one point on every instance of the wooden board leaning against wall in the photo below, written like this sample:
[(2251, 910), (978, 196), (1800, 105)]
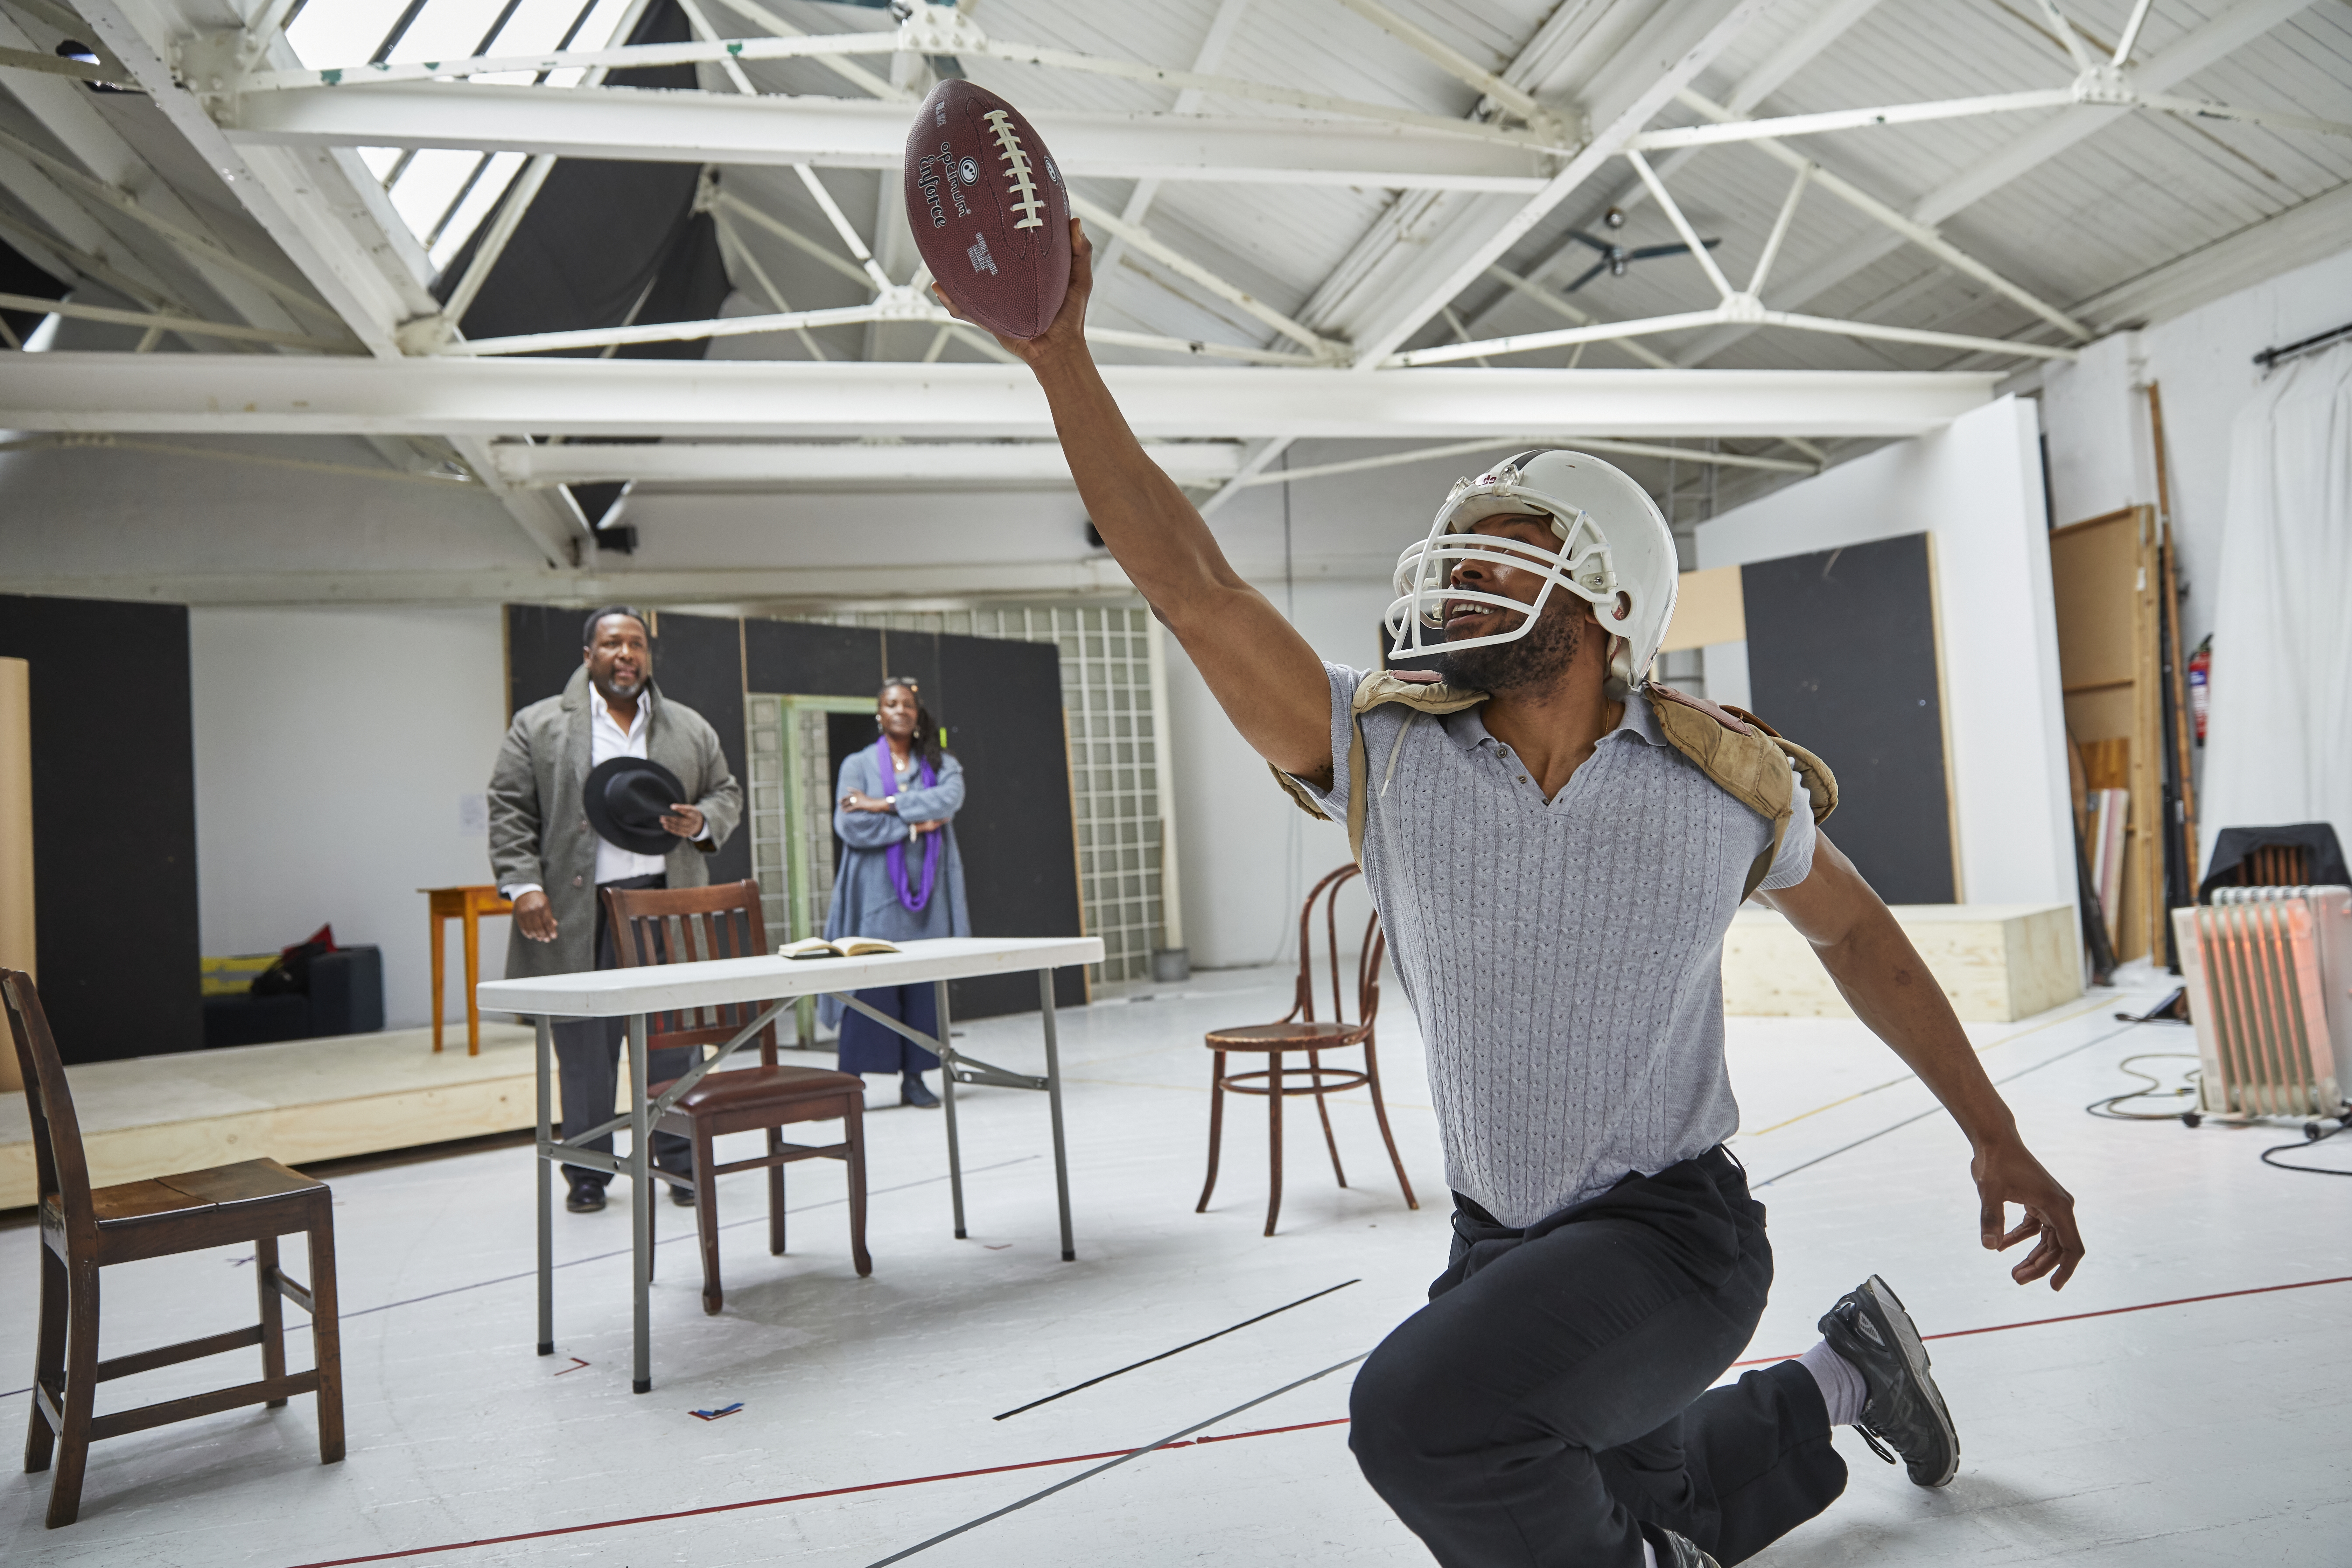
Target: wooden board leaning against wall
[(2107, 574)]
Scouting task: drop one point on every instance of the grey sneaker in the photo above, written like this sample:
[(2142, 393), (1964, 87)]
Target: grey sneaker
[(1681, 1553), (1905, 1412)]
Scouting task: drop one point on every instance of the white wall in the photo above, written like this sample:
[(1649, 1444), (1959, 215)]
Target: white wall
[(333, 749), (1247, 855), (2095, 418), (106, 511), (1975, 487)]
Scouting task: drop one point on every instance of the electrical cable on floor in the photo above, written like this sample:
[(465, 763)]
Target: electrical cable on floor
[(2155, 1090), (2312, 1131), (2311, 1134)]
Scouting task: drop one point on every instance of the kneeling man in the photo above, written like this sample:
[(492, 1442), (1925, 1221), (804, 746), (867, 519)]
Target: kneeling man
[(1557, 847)]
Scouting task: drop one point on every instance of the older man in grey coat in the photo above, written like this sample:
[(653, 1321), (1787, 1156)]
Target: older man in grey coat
[(547, 859)]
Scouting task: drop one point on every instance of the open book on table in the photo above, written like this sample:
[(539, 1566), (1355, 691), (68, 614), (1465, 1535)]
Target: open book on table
[(847, 947)]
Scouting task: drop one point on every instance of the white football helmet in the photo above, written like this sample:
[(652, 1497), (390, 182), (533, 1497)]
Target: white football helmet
[(1614, 546)]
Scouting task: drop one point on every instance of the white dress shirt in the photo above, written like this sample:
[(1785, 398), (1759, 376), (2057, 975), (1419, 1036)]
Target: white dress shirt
[(607, 740)]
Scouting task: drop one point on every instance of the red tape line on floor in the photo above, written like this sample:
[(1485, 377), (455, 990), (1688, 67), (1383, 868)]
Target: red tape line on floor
[(798, 1497), (1192, 1442), (2102, 1312)]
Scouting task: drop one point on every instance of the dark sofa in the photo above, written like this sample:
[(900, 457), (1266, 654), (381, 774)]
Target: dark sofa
[(346, 997)]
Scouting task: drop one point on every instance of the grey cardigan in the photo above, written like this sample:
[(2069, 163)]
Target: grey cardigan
[(540, 833)]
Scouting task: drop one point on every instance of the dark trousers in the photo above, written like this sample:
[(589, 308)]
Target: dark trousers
[(1552, 1398), (868, 1046), (589, 1051)]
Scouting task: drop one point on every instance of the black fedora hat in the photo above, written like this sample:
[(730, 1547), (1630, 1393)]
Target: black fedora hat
[(626, 799)]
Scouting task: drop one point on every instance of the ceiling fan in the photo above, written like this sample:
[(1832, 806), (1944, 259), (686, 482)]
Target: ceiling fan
[(1614, 257)]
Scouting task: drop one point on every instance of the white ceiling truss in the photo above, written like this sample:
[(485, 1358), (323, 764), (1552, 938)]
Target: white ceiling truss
[(1287, 240)]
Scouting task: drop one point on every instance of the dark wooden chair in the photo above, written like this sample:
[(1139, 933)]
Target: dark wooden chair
[(84, 1229), (1300, 1030), (685, 925)]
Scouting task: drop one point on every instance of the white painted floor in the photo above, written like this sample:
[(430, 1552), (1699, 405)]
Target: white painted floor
[(2207, 1433)]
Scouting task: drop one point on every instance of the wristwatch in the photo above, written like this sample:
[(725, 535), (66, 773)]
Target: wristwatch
[(891, 802)]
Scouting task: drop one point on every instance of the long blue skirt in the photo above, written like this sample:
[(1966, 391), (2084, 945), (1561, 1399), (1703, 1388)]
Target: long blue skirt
[(868, 1046)]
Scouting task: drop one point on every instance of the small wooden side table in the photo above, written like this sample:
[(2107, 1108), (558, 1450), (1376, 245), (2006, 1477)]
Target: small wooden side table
[(468, 905)]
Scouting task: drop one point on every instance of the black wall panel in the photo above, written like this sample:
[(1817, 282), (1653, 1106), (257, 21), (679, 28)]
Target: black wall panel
[(1841, 659), (114, 823), (697, 660), (803, 660), (1002, 704), (543, 650), (916, 656)]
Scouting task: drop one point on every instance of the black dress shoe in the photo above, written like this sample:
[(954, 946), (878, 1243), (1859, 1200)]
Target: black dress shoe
[(586, 1198), (913, 1091), (682, 1197)]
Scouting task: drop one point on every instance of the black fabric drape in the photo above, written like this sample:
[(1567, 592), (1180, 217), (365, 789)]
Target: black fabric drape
[(2235, 846), (19, 276)]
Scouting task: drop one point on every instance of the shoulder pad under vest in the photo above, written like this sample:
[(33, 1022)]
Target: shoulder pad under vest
[(1745, 757)]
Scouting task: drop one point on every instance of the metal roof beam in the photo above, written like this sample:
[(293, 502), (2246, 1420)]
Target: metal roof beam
[(1829, 24), (816, 465), (1211, 53), (483, 399), (1666, 55), (329, 218), (98, 151), (2232, 30), (682, 127)]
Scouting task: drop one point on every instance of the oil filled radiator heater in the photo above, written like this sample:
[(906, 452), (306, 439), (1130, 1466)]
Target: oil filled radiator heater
[(2269, 974)]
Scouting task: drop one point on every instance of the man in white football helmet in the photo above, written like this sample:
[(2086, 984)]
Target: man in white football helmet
[(1586, 530), (1556, 845)]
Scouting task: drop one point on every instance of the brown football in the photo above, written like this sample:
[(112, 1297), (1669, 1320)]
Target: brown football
[(989, 208)]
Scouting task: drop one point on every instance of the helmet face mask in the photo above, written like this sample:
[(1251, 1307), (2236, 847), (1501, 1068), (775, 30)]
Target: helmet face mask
[(1613, 551)]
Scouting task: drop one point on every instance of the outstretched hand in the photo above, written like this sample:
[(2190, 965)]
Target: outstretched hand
[(2007, 1174), (1068, 329)]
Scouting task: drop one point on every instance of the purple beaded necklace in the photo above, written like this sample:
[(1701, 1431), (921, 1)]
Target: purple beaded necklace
[(886, 768)]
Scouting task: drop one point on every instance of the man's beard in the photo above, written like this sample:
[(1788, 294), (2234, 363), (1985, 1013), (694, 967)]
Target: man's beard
[(1536, 659)]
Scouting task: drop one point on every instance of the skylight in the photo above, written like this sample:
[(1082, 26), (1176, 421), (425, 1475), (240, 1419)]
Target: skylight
[(442, 195)]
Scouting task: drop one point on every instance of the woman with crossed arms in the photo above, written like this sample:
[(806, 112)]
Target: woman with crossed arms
[(899, 878)]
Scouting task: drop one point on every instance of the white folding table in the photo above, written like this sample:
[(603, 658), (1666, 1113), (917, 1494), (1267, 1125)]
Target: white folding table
[(779, 982)]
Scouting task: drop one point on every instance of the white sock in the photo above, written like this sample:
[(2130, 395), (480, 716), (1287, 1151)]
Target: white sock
[(1842, 1389)]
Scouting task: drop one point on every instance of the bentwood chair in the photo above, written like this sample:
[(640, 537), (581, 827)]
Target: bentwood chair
[(1300, 1030), (85, 1229), (684, 925)]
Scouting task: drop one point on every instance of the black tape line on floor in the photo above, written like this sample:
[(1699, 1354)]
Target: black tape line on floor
[(1936, 1109), (621, 1252), (862, 1488), (1114, 1464), (1180, 1350), (666, 1240)]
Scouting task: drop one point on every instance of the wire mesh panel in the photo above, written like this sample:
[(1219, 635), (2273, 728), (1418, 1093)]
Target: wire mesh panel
[(1114, 754), (771, 865), (813, 781)]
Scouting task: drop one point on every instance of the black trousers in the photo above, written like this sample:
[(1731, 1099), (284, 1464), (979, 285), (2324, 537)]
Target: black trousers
[(589, 1051), (1551, 1401)]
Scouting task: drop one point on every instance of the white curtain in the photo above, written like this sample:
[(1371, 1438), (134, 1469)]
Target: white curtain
[(2279, 748)]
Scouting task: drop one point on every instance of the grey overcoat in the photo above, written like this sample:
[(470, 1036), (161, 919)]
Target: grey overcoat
[(540, 833)]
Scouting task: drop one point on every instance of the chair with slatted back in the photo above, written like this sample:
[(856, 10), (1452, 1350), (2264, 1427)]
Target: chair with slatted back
[(85, 1229), (652, 925), (1300, 1030)]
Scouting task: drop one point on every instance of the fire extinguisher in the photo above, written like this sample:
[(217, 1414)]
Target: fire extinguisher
[(2201, 670)]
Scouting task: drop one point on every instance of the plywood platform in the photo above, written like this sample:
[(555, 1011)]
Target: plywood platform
[(296, 1101), (1997, 962)]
